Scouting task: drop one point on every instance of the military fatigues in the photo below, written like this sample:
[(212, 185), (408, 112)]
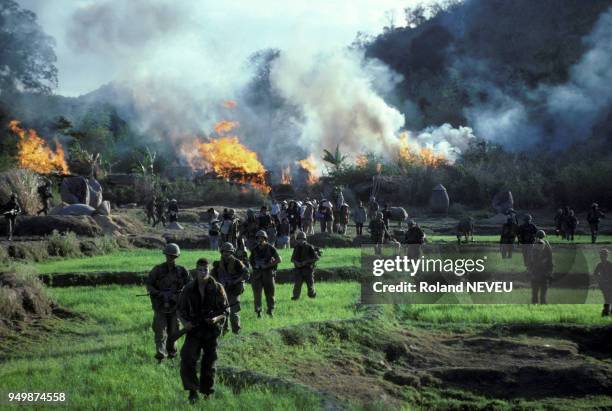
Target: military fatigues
[(304, 253), (11, 210), (231, 274), (378, 234), (507, 239), (263, 279), (604, 272), (164, 285), (414, 238), (541, 269), (594, 216), (160, 215), (526, 237), (198, 302), (44, 194)]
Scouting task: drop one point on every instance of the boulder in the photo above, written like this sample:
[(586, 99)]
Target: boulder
[(95, 193), (44, 225), (502, 202), (75, 190), (398, 214), (439, 200), (104, 208), (109, 227), (76, 209)]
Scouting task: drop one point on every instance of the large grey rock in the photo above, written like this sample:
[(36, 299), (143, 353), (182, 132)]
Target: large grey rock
[(439, 200), (95, 193), (104, 208), (77, 209), (398, 214), (75, 190), (503, 201)]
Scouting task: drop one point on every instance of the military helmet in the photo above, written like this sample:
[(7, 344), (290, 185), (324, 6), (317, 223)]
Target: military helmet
[(231, 211), (411, 223), (528, 217), (379, 214), (300, 235), (172, 249), (261, 233), (594, 205), (540, 234), (173, 200), (227, 247)]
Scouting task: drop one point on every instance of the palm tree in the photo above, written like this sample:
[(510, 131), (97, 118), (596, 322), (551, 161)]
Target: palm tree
[(336, 159)]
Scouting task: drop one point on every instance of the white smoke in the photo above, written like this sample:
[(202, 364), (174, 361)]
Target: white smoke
[(445, 140)]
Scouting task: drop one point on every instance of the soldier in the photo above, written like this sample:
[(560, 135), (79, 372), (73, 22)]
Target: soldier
[(265, 219), (572, 224), (526, 237), (202, 309), (249, 228), (594, 216), (540, 268), (173, 211), (360, 216), (294, 216), (603, 272), (378, 232), (558, 219), (564, 222), (303, 258), (373, 207), (160, 215), (150, 210), (231, 274), (386, 212), (11, 210), (414, 238), (164, 285), (308, 218), (45, 196), (507, 238), (229, 227), (465, 229), (264, 259), (213, 234)]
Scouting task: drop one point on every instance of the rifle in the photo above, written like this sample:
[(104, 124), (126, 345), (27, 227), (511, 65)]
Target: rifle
[(211, 314), (167, 296)]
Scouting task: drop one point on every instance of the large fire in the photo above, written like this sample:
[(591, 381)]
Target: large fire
[(35, 154), (308, 165), (286, 175), (229, 159), (419, 155)]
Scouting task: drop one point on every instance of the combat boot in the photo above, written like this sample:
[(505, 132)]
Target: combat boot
[(193, 396)]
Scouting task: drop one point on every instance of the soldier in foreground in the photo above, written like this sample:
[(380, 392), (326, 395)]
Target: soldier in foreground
[(603, 273), (164, 284), (264, 259), (414, 239), (11, 210), (594, 216), (231, 274), (45, 196), (303, 258), (540, 268), (202, 309)]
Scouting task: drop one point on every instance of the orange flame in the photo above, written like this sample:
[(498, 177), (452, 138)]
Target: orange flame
[(286, 175), (361, 161), (229, 104), (228, 158), (225, 126), (419, 155), (34, 153), (308, 164)]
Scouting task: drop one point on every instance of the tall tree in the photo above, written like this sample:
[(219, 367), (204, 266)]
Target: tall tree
[(27, 58)]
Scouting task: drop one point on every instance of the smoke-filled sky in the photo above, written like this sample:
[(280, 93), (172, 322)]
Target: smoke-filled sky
[(97, 38)]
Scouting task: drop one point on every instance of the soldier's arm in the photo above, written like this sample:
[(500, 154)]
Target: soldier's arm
[(294, 255), (182, 311), (151, 281), (275, 260)]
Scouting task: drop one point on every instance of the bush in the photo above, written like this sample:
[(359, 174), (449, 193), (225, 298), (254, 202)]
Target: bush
[(4, 257), (25, 184), (63, 245), (31, 250)]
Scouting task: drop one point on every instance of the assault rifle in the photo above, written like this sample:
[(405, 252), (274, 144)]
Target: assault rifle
[(168, 296), (210, 315)]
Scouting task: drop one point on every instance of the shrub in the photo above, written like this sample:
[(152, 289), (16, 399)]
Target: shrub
[(25, 184), (64, 245), (4, 257)]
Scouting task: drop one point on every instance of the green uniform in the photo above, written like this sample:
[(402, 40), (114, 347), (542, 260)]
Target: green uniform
[(11, 210), (164, 285), (414, 238), (196, 303), (541, 269), (263, 278), (231, 275), (378, 234), (304, 253)]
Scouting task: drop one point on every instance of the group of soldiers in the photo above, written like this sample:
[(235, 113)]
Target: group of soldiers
[(159, 210), (11, 209), (207, 300), (566, 222)]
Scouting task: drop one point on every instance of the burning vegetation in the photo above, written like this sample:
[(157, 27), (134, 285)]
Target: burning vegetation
[(34, 153), (414, 154)]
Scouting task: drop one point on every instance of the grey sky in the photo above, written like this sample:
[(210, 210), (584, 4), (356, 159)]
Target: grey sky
[(91, 52)]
